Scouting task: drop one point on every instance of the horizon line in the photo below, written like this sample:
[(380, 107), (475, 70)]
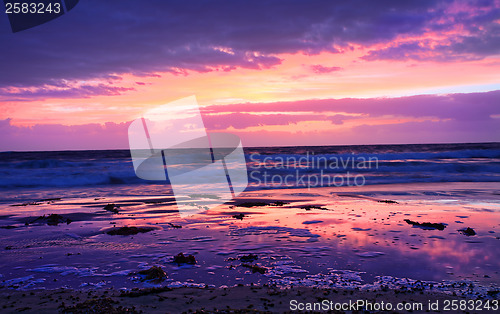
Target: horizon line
[(246, 147)]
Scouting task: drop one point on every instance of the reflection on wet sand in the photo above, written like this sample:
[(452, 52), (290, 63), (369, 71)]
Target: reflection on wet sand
[(401, 231)]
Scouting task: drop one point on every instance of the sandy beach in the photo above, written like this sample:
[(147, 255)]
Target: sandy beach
[(392, 243)]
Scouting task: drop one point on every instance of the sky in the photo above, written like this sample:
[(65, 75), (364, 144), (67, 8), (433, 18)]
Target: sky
[(273, 72)]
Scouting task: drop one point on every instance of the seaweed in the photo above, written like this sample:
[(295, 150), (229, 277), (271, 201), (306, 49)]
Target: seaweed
[(129, 230), (184, 259), (249, 258), (426, 225), (255, 268), (239, 216), (111, 208), (467, 231), (154, 273), (51, 220)]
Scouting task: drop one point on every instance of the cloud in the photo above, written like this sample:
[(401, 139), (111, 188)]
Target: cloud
[(319, 69), (416, 119), (63, 137), (471, 29), (244, 120), (104, 39), (61, 91), (460, 107)]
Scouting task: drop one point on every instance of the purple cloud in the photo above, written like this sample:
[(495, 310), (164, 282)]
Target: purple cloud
[(103, 39), (63, 137), (461, 107), (62, 91), (477, 38)]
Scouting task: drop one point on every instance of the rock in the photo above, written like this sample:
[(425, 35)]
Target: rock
[(183, 259), (55, 219), (309, 207), (426, 225), (467, 231), (255, 268), (174, 226), (310, 222), (258, 204), (111, 208), (51, 220), (27, 204), (388, 201), (249, 258), (129, 230), (154, 273), (239, 216)]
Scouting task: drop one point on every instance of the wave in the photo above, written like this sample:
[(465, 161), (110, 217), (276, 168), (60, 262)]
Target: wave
[(389, 164), (44, 163)]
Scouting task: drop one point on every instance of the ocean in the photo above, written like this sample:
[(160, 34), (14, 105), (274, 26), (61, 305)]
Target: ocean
[(269, 167)]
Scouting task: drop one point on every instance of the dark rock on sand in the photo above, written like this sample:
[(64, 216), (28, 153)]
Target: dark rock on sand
[(184, 259), (249, 258), (255, 268), (426, 225), (154, 273), (51, 220), (174, 226), (388, 201), (239, 216), (260, 203), (111, 208), (309, 207), (129, 230), (467, 231), (27, 204)]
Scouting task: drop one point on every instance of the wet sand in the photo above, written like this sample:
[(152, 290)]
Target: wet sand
[(375, 238)]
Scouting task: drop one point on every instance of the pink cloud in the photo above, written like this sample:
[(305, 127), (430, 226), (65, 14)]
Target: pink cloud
[(417, 119), (471, 106), (319, 69)]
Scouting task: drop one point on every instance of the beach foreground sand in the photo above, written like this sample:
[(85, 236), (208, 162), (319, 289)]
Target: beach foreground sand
[(393, 243), (239, 299)]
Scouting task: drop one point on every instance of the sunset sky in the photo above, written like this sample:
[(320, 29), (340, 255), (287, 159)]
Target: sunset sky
[(272, 72)]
